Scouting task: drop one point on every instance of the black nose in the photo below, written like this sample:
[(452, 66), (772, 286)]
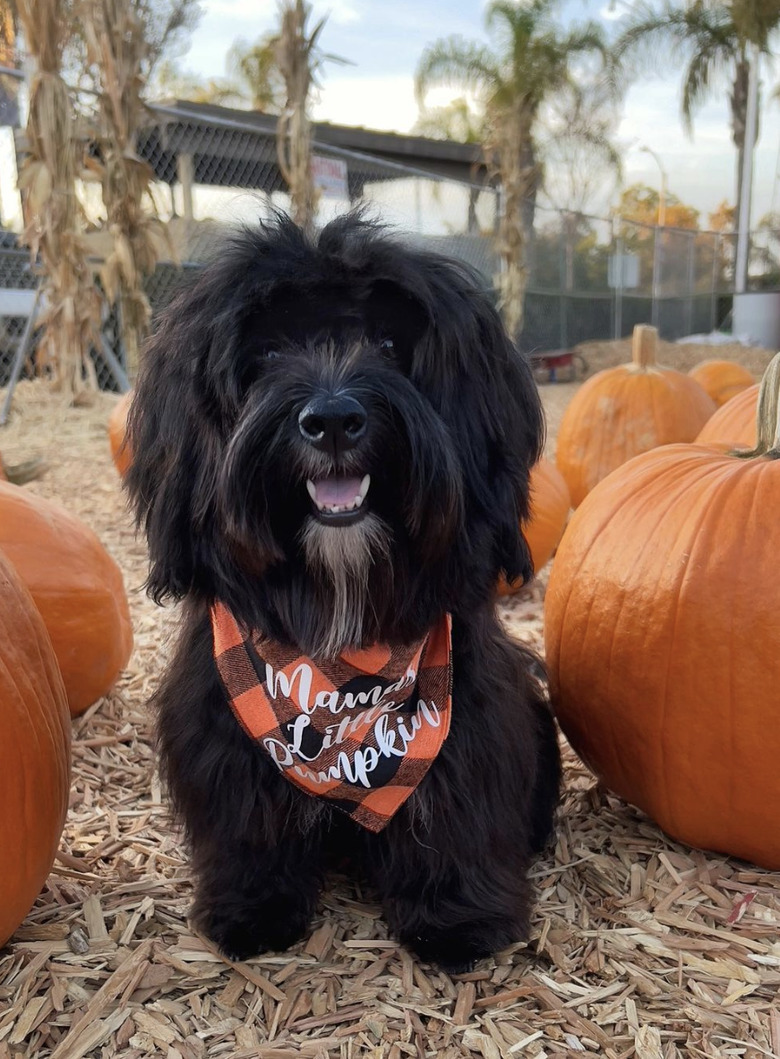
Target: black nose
[(333, 424)]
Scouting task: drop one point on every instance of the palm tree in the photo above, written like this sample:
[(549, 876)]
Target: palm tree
[(255, 68), (530, 59), (713, 38), (457, 122)]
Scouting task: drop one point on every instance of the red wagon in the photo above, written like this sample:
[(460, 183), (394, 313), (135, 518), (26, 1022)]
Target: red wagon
[(558, 365)]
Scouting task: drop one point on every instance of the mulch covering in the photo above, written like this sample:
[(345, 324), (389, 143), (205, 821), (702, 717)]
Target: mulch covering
[(640, 946)]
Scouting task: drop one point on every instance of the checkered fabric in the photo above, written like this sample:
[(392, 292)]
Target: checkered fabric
[(361, 729)]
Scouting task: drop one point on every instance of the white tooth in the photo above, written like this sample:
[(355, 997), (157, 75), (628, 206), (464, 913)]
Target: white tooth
[(312, 490), (358, 501), (364, 487)]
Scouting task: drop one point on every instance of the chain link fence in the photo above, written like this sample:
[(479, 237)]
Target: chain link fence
[(588, 277)]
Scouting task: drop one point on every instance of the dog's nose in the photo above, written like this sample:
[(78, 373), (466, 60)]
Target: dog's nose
[(333, 423)]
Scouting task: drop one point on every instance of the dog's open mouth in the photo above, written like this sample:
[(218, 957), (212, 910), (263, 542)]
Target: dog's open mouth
[(339, 500)]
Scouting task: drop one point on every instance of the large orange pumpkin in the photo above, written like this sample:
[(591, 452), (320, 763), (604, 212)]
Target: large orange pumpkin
[(117, 430), (77, 587), (34, 752), (663, 639), (734, 423), (623, 411), (550, 505), (722, 379)]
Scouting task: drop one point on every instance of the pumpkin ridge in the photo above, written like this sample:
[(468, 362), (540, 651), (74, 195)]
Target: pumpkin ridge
[(692, 534), (34, 750)]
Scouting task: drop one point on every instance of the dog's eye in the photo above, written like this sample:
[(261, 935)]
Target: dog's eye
[(271, 354), (387, 346)]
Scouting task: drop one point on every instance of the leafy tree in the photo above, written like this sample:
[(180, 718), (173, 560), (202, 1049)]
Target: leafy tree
[(577, 146), (530, 59), (9, 86), (639, 203), (167, 27), (723, 219), (580, 160), (766, 252)]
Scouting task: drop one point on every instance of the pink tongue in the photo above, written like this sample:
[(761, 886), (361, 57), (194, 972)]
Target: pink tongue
[(333, 491)]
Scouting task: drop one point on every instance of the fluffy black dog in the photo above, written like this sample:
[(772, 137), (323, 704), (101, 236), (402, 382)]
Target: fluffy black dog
[(291, 368)]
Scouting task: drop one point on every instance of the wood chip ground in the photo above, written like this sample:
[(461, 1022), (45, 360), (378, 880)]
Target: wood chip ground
[(640, 947)]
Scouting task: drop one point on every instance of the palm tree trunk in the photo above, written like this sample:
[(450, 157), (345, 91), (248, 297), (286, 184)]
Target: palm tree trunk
[(738, 104), (531, 171), (518, 173), (472, 224)]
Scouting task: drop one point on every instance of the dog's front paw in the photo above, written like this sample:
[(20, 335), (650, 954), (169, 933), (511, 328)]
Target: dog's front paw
[(456, 949), (272, 925), (446, 950)]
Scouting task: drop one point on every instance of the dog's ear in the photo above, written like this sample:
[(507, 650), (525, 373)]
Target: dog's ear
[(175, 437), (483, 388)]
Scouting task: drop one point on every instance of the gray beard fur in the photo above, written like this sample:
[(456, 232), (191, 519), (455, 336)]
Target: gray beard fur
[(345, 554)]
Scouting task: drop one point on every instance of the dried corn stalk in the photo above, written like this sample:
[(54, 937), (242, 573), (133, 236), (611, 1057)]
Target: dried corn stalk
[(297, 60), (54, 221), (117, 49)]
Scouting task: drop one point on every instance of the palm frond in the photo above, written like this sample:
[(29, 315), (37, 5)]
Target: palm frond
[(705, 67), (666, 34), (461, 64)]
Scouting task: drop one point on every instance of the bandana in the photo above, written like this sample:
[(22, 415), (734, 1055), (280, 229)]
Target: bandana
[(360, 730)]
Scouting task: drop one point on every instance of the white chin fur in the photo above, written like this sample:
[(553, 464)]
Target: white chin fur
[(346, 554)]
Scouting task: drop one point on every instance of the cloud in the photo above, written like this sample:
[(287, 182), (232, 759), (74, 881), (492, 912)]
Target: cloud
[(341, 12)]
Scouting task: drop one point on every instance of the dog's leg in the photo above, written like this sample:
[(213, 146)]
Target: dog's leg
[(452, 866), (251, 899), (547, 789), (256, 841), (452, 904)]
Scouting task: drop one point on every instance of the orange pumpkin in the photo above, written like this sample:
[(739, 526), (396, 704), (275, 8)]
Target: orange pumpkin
[(550, 504), (734, 423), (77, 587), (623, 411), (662, 636), (117, 429), (722, 379), (34, 752)]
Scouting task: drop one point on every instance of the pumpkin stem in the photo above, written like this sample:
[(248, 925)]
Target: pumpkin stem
[(644, 347), (767, 415)]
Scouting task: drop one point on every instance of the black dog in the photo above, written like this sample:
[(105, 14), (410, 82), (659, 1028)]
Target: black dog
[(332, 438)]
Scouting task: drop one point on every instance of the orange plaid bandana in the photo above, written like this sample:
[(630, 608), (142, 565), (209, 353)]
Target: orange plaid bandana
[(361, 729)]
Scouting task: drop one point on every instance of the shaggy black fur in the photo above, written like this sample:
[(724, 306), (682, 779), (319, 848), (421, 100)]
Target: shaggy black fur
[(453, 425)]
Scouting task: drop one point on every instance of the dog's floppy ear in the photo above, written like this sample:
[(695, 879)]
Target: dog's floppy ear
[(483, 388), (174, 436)]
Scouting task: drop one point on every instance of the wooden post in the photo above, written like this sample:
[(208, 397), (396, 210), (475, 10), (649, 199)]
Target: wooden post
[(186, 172)]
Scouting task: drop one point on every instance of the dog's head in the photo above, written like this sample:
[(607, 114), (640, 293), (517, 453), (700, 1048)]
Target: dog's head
[(334, 437)]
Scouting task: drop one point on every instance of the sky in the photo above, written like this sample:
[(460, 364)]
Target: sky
[(384, 39)]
